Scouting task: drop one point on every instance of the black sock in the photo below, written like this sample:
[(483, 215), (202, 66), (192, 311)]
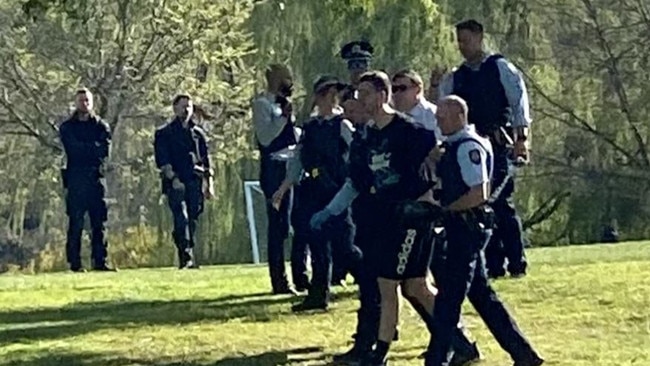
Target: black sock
[(381, 349)]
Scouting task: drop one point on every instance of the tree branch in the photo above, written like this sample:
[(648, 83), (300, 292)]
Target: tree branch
[(613, 69), (546, 209)]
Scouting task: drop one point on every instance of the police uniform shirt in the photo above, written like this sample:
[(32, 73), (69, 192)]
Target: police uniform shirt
[(268, 121), (513, 84), (425, 114), (472, 156)]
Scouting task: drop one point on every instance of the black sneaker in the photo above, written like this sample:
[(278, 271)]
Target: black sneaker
[(534, 360), (373, 359), (285, 290), (104, 268), (466, 358), (302, 286), (77, 269), (354, 356), (309, 304), (496, 275)]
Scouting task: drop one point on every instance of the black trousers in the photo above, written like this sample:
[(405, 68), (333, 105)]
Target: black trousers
[(272, 173), (86, 194), (186, 206), (507, 241), (369, 298), (463, 274)]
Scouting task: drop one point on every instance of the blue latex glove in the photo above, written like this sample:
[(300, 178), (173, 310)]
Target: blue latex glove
[(319, 219)]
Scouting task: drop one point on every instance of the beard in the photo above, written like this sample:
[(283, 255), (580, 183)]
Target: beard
[(286, 90)]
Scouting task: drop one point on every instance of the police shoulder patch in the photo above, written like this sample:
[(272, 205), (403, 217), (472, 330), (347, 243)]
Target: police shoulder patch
[(475, 156)]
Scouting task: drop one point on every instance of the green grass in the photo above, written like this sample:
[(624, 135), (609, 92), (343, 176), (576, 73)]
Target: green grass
[(587, 305)]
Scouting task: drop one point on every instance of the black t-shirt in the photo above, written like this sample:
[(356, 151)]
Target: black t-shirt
[(386, 163)]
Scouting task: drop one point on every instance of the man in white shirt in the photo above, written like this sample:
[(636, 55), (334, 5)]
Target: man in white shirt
[(408, 97)]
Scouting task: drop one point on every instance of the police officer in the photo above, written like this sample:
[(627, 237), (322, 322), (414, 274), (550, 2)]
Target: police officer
[(181, 154), (274, 130), (408, 97), (86, 141), (497, 98), (465, 170), (358, 56), (369, 301), (319, 166)]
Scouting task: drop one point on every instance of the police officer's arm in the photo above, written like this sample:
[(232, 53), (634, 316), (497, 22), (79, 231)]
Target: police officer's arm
[(446, 85), (294, 168), (268, 121), (472, 159), (347, 131), (517, 95), (343, 199), (102, 147), (205, 155), (294, 171), (162, 154)]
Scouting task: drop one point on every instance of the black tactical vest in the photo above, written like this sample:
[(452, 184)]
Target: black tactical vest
[(485, 96), (323, 152)]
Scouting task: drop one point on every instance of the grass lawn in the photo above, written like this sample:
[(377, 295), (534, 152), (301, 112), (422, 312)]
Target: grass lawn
[(584, 305)]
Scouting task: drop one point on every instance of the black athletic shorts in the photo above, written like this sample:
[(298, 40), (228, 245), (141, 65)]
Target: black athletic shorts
[(402, 252)]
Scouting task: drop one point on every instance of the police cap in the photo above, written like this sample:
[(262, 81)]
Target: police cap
[(358, 54), (325, 82)]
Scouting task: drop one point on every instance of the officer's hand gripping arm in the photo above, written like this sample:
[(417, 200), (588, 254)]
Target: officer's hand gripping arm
[(341, 201)]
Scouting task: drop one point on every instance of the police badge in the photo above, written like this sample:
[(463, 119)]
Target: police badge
[(475, 156)]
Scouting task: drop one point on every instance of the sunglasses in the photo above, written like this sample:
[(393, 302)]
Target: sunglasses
[(400, 88)]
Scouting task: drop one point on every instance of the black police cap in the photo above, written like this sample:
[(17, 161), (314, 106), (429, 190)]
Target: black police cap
[(357, 49), (358, 54), (327, 81)]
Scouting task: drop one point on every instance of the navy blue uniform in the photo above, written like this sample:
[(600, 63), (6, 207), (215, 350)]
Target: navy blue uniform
[(496, 97), (86, 144), (323, 152), (369, 299), (186, 150), (467, 162)]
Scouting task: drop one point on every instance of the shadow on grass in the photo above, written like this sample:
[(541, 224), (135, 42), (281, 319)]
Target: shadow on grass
[(73, 320), (272, 358)]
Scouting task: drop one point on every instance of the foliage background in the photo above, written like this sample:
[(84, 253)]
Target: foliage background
[(585, 62)]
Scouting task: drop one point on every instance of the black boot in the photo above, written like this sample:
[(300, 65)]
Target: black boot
[(310, 303), (355, 355), (533, 360), (465, 352), (374, 358), (185, 257)]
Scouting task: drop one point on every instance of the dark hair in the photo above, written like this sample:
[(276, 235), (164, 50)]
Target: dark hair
[(379, 81), (471, 25), (178, 98), (411, 75), (83, 91), (274, 69)]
